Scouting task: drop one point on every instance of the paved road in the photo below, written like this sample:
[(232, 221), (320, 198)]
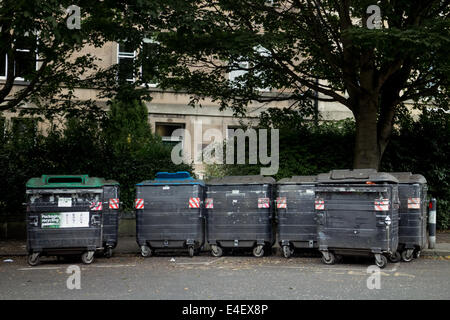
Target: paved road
[(235, 277)]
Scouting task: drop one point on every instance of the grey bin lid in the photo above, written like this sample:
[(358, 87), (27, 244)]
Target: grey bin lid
[(355, 176), (408, 177), (299, 180), (234, 180)]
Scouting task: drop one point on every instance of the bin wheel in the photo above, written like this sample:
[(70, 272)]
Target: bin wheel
[(191, 251), (146, 251), (87, 257), (287, 252), (417, 254), (33, 259), (381, 262), (216, 251), (339, 258), (407, 255), (328, 257), (395, 257), (258, 251), (108, 252)]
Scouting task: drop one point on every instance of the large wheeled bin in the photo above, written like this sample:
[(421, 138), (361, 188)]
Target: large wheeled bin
[(357, 214), (239, 212), (169, 213), (296, 215), (412, 228), (71, 214)]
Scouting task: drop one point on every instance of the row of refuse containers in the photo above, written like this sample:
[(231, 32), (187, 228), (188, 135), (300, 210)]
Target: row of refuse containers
[(343, 212)]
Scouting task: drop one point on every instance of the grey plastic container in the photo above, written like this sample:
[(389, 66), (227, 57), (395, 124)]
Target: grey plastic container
[(167, 221), (71, 215), (350, 221), (296, 216), (241, 215), (412, 232)]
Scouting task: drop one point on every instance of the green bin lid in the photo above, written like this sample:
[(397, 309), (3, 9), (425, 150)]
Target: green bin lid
[(68, 181)]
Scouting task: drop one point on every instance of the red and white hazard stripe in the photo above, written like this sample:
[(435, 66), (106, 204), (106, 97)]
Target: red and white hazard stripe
[(209, 203), (319, 204), (114, 203), (139, 203), (281, 202), (96, 206), (381, 205), (263, 203), (413, 203), (194, 203)]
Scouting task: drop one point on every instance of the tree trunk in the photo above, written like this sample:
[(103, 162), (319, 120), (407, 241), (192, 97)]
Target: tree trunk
[(366, 153)]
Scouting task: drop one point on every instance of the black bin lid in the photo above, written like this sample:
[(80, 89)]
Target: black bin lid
[(408, 177), (299, 180), (238, 180), (355, 176)]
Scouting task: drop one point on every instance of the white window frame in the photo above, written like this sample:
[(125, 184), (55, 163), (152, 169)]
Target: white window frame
[(232, 75), (19, 78), (6, 68), (126, 55), (149, 84)]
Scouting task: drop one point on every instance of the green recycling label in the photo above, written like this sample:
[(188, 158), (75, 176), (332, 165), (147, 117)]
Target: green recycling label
[(65, 220)]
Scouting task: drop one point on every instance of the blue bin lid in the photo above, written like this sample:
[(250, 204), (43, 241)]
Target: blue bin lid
[(172, 178)]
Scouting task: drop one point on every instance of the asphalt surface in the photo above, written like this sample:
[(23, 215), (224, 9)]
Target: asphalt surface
[(230, 277)]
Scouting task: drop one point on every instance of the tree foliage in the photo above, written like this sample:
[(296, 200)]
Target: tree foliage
[(119, 146), (300, 48)]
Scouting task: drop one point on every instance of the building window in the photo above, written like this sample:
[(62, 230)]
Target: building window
[(125, 58), (3, 65), (25, 61), (166, 130), (24, 129), (234, 74), (149, 68), (243, 67)]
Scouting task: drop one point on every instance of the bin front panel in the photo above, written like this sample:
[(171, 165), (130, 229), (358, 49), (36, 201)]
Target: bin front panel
[(168, 216), (236, 215), (412, 223), (110, 215), (349, 219), (296, 222), (63, 218)]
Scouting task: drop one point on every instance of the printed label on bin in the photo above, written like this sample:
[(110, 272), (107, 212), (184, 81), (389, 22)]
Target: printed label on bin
[(381, 205), (281, 203), (166, 188), (263, 203), (65, 220), (64, 202), (413, 203), (194, 203), (209, 203)]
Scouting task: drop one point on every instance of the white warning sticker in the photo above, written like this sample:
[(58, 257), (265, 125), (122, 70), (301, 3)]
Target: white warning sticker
[(64, 202)]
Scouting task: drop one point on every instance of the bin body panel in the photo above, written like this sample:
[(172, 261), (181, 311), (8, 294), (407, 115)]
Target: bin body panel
[(167, 221), (110, 216), (296, 222), (349, 221), (235, 219), (412, 223), (55, 223)]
